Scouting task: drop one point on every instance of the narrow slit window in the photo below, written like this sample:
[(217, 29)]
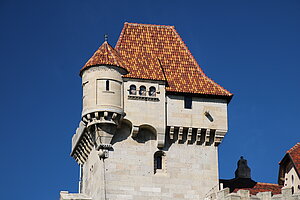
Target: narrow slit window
[(188, 102), (107, 85), (159, 158), (159, 162)]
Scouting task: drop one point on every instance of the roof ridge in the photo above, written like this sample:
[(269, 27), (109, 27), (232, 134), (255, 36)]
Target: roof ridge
[(294, 147), (156, 25), (112, 53), (268, 183), (196, 63), (187, 49), (110, 56), (121, 35)]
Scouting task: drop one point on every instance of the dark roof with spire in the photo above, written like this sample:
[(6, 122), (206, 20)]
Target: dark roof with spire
[(243, 181)]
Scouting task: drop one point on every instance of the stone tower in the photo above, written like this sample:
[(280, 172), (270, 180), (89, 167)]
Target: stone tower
[(102, 85), (165, 147)]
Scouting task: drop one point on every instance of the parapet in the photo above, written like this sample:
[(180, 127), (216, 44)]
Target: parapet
[(286, 194), (65, 195)]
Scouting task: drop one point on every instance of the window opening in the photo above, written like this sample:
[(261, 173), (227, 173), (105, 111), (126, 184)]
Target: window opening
[(107, 85), (188, 102), (158, 161), (152, 91), (132, 90), (143, 90)]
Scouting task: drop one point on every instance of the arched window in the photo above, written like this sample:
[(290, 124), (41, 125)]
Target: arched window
[(159, 161), (152, 91), (143, 90), (132, 90)]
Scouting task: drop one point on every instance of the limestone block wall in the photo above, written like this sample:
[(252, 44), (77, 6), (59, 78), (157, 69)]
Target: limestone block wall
[(95, 95), (286, 194), (145, 109), (188, 172), (195, 117)]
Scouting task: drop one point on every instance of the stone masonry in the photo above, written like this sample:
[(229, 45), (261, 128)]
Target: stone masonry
[(286, 194)]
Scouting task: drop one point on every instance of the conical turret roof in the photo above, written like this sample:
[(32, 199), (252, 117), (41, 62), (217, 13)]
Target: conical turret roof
[(105, 55)]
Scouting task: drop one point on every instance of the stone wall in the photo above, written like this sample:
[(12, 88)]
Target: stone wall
[(224, 194), (195, 117), (189, 171)]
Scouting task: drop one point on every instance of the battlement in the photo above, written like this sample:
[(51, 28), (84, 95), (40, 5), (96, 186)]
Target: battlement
[(286, 194)]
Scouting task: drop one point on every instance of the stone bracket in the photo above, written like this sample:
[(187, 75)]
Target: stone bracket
[(198, 136)]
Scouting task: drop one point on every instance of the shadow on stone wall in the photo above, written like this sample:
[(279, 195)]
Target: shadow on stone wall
[(123, 132), (145, 134)]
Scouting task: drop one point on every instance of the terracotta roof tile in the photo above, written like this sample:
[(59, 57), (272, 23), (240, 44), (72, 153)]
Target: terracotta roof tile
[(262, 187), (157, 52), (294, 153), (105, 55)]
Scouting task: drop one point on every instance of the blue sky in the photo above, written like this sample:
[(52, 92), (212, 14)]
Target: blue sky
[(251, 48)]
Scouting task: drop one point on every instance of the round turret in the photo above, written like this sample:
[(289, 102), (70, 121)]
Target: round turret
[(102, 99)]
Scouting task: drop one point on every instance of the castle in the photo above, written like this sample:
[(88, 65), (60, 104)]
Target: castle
[(151, 121)]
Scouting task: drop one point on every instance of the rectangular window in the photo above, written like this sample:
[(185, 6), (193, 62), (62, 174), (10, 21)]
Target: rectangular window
[(107, 85), (188, 102)]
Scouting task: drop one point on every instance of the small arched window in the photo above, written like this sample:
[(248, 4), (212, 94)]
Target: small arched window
[(143, 90), (159, 158), (132, 90), (152, 91)]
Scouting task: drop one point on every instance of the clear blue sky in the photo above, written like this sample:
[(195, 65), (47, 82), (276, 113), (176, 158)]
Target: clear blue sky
[(251, 48)]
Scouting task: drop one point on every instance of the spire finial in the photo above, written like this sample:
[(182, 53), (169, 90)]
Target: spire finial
[(106, 37)]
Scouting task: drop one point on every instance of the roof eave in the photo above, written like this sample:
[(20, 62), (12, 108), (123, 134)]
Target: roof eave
[(98, 65), (226, 97)]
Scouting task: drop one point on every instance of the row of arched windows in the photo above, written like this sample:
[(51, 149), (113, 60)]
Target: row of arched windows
[(142, 90)]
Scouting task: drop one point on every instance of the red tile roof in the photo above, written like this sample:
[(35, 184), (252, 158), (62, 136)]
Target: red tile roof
[(262, 187), (105, 55), (294, 153), (157, 52)]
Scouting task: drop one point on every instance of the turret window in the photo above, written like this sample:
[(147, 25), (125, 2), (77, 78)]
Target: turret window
[(152, 91), (107, 85), (132, 90), (142, 91)]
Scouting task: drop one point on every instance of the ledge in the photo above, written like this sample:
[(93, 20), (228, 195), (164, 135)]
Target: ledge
[(143, 98)]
